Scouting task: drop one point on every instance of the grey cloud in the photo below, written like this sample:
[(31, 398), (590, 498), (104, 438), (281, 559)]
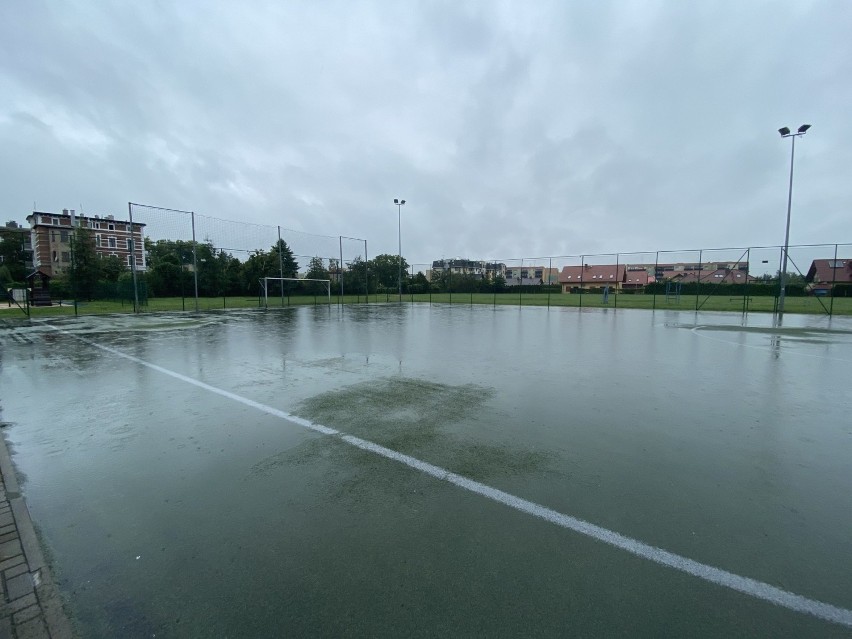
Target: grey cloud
[(511, 128)]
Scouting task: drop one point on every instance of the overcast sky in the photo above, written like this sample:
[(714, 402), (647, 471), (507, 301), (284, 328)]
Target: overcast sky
[(511, 128)]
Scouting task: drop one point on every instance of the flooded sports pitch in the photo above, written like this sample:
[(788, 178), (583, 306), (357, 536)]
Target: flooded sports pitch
[(407, 470)]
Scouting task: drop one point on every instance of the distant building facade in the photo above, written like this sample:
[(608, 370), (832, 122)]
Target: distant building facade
[(480, 269), (51, 236)]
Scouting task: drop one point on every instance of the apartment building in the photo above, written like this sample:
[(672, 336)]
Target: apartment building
[(481, 269), (532, 274), (51, 235)]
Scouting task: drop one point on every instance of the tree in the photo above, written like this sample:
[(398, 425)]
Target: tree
[(354, 277), (169, 267), (6, 276), (111, 267), (12, 255), (317, 271), (385, 270), (419, 283), (256, 267), (289, 263), (85, 268)]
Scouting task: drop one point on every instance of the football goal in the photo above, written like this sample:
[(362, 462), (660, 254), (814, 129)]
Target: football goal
[(272, 287)]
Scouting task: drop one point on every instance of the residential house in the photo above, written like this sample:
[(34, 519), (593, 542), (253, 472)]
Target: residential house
[(588, 276), (823, 275)]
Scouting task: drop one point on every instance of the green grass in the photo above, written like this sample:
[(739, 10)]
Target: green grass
[(811, 305)]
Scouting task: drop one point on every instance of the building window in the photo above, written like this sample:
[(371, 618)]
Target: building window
[(54, 257), (63, 236), (130, 260), (66, 256), (129, 244), (98, 240), (112, 242), (56, 221), (110, 227)]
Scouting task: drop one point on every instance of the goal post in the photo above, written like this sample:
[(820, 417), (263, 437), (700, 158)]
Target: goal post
[(266, 281)]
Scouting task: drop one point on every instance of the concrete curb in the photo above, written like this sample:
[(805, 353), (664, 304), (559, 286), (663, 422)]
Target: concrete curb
[(31, 604)]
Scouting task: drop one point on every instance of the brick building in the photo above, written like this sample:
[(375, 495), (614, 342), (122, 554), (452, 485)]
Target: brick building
[(52, 233)]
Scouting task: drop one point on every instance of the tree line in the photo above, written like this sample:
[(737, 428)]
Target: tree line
[(172, 265)]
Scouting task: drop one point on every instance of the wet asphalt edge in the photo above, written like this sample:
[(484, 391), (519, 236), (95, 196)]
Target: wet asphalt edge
[(55, 623)]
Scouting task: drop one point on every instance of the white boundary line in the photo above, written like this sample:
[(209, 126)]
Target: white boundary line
[(745, 585)]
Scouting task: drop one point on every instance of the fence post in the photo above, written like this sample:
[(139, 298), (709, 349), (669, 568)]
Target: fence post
[(617, 262), (745, 289), (521, 283), (833, 283), (656, 270), (194, 260), (132, 259), (366, 274), (549, 275), (698, 281), (582, 277), (340, 240), (281, 269)]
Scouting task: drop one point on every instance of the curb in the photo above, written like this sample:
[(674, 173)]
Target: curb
[(31, 605)]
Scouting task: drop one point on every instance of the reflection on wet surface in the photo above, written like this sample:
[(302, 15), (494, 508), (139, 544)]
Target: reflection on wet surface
[(173, 511)]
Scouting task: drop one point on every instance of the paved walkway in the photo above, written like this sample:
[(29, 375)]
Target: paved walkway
[(31, 607)]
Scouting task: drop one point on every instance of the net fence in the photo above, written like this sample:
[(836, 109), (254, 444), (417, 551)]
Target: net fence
[(166, 259), (207, 258)]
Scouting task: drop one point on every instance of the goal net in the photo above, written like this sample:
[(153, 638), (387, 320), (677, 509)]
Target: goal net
[(277, 288)]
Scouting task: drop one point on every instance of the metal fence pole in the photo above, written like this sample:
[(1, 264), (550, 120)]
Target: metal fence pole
[(521, 283), (194, 260), (280, 266), (366, 274), (656, 270), (617, 261), (132, 259), (833, 283), (549, 275), (698, 281), (745, 288), (340, 240), (582, 276)]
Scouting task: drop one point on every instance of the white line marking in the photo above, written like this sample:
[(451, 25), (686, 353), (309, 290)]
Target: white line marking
[(745, 585)]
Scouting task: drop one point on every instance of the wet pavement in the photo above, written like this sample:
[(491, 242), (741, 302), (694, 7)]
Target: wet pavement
[(171, 509)]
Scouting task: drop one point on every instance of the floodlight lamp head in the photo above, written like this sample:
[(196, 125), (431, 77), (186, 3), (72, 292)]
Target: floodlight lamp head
[(804, 128), (402, 201), (784, 130), (396, 201)]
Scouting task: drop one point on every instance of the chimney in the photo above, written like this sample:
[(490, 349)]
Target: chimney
[(64, 211)]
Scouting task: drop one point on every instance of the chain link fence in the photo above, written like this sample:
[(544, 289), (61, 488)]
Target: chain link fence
[(817, 280), (167, 259)]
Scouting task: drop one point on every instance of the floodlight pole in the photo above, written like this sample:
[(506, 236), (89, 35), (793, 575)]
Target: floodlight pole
[(785, 133), (399, 204)]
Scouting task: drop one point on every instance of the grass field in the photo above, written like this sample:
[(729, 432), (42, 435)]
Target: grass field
[(809, 305)]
